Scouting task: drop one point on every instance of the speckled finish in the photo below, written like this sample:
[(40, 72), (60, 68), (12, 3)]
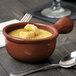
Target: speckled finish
[(36, 49)]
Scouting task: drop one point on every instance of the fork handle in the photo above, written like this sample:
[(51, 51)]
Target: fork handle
[(35, 70)]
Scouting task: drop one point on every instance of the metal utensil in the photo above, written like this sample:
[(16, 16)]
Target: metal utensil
[(68, 61), (26, 18)]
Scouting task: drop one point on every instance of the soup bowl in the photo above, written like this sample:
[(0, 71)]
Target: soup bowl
[(35, 50)]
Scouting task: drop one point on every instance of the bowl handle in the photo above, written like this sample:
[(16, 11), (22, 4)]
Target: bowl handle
[(64, 25)]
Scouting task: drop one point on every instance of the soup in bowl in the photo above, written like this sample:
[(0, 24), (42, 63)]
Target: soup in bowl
[(31, 47), (30, 31)]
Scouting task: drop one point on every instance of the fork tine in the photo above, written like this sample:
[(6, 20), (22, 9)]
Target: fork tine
[(23, 17), (29, 19), (26, 17)]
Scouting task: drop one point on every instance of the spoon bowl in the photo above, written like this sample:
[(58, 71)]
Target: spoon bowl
[(69, 60)]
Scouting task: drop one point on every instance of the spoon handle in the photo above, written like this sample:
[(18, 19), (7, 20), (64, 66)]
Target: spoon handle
[(35, 70)]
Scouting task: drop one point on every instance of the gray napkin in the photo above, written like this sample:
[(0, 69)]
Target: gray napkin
[(36, 12)]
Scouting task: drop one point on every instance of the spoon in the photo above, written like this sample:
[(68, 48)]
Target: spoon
[(66, 62)]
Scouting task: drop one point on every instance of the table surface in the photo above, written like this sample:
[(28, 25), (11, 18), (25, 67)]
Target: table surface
[(66, 43)]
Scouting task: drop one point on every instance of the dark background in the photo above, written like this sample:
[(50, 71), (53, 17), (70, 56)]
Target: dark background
[(70, 1)]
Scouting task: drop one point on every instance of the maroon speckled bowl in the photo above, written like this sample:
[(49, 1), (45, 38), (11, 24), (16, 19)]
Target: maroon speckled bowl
[(34, 50)]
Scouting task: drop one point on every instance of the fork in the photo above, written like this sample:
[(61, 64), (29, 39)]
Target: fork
[(26, 18)]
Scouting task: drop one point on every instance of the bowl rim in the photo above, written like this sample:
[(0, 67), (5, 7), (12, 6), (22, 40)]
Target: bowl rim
[(20, 40)]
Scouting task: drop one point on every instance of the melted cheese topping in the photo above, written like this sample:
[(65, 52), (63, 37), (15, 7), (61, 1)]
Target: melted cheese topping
[(30, 31)]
